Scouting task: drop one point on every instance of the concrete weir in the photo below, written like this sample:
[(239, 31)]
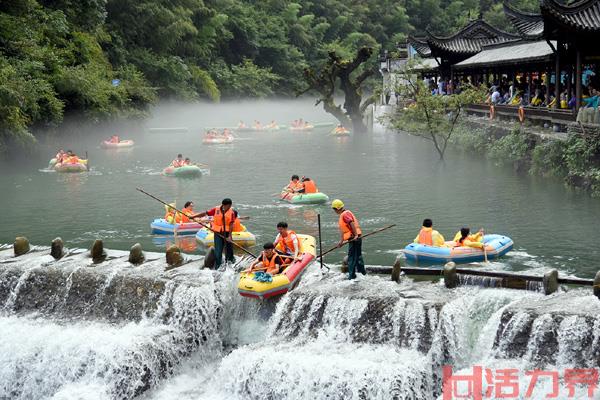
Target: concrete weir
[(157, 316), (77, 284)]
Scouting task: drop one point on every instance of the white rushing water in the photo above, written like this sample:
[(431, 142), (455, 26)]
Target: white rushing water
[(328, 339)]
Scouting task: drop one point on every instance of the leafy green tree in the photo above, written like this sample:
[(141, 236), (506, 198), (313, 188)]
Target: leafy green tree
[(429, 116)]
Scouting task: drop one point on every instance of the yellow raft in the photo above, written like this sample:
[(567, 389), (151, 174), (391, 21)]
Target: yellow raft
[(243, 238), (283, 282)]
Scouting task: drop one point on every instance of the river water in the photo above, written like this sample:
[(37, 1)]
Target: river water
[(384, 178), (327, 339)]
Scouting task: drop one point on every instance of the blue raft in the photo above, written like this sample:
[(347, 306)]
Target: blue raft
[(160, 226), (496, 246)]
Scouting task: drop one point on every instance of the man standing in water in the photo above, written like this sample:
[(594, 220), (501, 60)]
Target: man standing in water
[(350, 232), (224, 218)]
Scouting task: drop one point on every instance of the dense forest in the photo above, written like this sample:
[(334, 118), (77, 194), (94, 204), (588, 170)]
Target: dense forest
[(112, 58)]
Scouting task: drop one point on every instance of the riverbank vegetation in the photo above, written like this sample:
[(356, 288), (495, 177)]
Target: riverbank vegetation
[(575, 160), (109, 59)]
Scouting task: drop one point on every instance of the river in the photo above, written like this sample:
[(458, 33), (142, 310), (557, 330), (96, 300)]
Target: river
[(63, 334), (384, 178)]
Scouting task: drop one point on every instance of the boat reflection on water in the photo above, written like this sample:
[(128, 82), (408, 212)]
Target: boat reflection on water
[(187, 243)]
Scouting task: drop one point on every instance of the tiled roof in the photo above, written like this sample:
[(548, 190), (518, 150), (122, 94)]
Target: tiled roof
[(582, 15), (521, 52), (528, 25), (420, 45), (469, 40)]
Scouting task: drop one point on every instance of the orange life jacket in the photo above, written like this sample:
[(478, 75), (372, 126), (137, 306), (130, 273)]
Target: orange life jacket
[(221, 221), (114, 139), (294, 186), (71, 160), (270, 265), (237, 226), (425, 237), (310, 187), (183, 219), (286, 244), (176, 163), (345, 228)]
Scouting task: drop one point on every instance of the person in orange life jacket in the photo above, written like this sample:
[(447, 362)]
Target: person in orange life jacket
[(295, 186), (187, 161), (223, 222), (309, 185), (287, 241), (350, 231), (114, 139), (268, 260), (178, 162), (188, 213), (71, 158), (428, 236)]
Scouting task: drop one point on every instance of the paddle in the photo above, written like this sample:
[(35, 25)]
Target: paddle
[(321, 244), (200, 223), (362, 237)]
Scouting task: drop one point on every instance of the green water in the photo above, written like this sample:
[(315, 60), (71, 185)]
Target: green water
[(384, 178)]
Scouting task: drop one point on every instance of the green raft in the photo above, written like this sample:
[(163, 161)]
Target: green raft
[(304, 198), (185, 171)]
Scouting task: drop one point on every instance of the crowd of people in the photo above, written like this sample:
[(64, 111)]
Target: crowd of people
[(300, 124), (518, 92)]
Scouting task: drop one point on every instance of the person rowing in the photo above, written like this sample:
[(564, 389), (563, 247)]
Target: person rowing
[(268, 260), (178, 162), (295, 186), (464, 238), (225, 221), (287, 242)]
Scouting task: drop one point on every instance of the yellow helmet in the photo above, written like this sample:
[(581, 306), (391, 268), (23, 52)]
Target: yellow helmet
[(337, 204)]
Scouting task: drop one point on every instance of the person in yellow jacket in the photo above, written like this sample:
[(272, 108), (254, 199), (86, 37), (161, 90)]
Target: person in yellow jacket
[(428, 236), (464, 238)]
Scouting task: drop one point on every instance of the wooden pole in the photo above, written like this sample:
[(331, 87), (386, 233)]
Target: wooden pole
[(362, 237), (557, 77), (198, 222), (577, 80)]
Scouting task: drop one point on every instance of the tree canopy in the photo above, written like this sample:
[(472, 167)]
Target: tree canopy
[(112, 58)]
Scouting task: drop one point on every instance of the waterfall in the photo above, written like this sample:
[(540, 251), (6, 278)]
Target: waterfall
[(69, 331), (66, 358)]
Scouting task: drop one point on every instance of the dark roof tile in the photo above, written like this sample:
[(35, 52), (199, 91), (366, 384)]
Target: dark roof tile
[(529, 25), (470, 39), (582, 15)]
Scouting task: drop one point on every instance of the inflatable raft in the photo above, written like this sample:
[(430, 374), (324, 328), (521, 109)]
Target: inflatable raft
[(218, 140), (185, 171), (106, 144), (495, 246), (302, 128), (243, 238), (161, 226), (80, 166), (283, 282), (340, 133), (304, 198)]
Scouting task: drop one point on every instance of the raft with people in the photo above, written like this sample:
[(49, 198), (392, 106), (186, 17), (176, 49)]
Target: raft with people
[(183, 171), (340, 131), (493, 246), (214, 137), (121, 144), (240, 236), (302, 191), (304, 198), (68, 162), (253, 284), (161, 226)]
